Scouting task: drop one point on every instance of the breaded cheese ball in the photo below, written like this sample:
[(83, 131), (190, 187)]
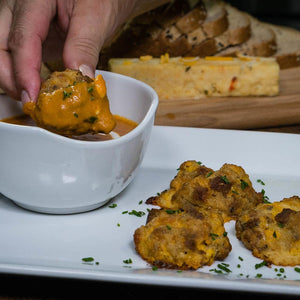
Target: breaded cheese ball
[(182, 240), (272, 231)]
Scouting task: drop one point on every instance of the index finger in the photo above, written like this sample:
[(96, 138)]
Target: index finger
[(29, 29)]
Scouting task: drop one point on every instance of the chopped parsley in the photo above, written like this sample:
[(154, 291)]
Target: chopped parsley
[(127, 261), (260, 181), (88, 259), (66, 95), (172, 211), (265, 198), (297, 269), (92, 119), (137, 213), (224, 267), (209, 174), (262, 264), (213, 236), (225, 179), (281, 225), (244, 184)]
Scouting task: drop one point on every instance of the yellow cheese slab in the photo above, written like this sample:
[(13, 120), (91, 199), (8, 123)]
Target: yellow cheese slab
[(193, 77)]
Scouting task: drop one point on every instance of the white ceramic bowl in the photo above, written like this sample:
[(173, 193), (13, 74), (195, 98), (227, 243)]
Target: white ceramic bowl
[(49, 173)]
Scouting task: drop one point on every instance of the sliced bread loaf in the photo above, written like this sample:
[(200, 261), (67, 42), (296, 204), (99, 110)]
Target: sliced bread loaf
[(172, 29), (204, 29)]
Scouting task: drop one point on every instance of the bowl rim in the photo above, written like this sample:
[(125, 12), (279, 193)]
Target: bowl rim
[(122, 139)]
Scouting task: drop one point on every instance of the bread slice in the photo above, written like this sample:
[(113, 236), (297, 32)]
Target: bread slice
[(288, 46), (239, 29), (261, 43), (201, 39), (192, 78)]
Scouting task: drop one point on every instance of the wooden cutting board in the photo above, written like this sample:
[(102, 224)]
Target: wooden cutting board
[(237, 112)]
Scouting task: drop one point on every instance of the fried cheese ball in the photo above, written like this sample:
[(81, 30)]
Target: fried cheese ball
[(70, 103), (272, 231), (228, 191), (186, 172), (182, 240)]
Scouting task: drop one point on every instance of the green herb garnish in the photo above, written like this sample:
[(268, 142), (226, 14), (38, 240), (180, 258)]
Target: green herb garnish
[(262, 264), (225, 179), (297, 269), (224, 267), (265, 198), (127, 261), (281, 225), (213, 236), (260, 181), (136, 213), (88, 259), (66, 95), (244, 184), (92, 119)]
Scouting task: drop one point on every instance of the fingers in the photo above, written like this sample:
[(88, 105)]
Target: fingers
[(30, 24), (7, 81), (85, 37), (90, 24)]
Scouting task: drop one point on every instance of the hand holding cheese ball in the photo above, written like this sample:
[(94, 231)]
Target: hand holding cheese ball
[(33, 30)]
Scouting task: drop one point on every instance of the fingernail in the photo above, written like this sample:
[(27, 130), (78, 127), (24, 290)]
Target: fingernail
[(25, 97), (87, 71)]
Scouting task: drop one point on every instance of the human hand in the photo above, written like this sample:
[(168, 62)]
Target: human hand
[(72, 29)]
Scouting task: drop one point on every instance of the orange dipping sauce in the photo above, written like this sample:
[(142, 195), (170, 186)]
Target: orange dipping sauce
[(123, 126)]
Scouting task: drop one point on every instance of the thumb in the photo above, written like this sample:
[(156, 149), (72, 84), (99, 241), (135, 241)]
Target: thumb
[(88, 28)]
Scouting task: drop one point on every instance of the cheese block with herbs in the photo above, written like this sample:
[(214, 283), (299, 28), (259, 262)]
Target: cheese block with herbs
[(194, 77)]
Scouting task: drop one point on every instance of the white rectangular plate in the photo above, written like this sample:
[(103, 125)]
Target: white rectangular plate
[(51, 245)]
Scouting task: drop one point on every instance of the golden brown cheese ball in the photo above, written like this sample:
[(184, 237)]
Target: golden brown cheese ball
[(186, 172), (70, 103), (182, 240), (228, 191), (272, 231)]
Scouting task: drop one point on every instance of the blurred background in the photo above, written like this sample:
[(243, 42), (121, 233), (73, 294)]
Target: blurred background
[(286, 12)]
